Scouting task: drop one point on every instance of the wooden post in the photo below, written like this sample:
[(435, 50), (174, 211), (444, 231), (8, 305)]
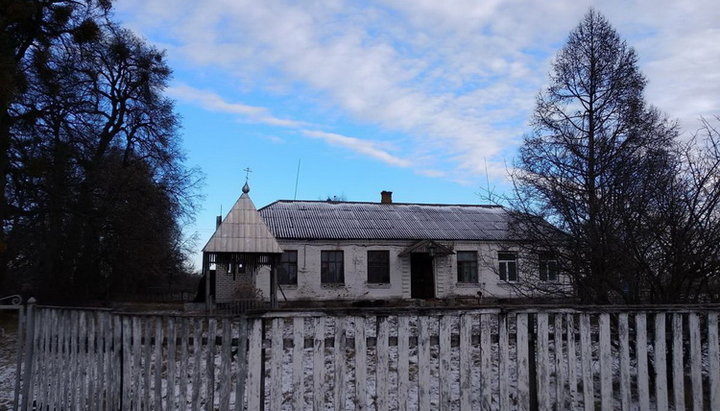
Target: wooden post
[(206, 273), (28, 355), (18, 365), (532, 369), (273, 280)]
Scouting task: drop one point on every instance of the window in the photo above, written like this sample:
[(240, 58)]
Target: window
[(467, 269), (548, 267), (287, 272), (378, 267), (331, 267), (507, 266)]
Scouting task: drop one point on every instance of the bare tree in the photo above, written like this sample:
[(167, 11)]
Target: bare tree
[(676, 241)]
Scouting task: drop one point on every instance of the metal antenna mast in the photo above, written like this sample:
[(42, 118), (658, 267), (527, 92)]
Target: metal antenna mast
[(297, 178)]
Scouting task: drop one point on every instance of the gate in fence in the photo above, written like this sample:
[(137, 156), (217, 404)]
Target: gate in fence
[(495, 358)]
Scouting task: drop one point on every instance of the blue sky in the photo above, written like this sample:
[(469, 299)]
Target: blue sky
[(416, 97)]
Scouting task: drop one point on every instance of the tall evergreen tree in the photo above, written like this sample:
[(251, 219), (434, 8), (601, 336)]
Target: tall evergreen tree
[(587, 164)]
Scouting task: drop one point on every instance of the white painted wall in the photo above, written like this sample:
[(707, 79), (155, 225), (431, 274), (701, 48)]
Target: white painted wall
[(309, 286)]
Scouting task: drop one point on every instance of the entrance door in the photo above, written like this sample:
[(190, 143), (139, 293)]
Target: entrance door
[(422, 281)]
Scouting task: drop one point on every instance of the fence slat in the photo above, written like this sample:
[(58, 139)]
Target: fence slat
[(106, 332), (136, 354), (93, 357), (642, 365), (339, 364), (197, 368), (466, 362), (403, 367), (485, 362), (127, 362), (623, 335), (83, 369), (559, 362), (523, 383), (171, 351), (210, 365), (64, 348), (116, 366), (606, 372), (297, 363), (572, 361), (543, 366), (695, 361), (678, 365), (226, 361), (158, 364), (255, 360), (586, 361), (383, 366), (360, 364), (423, 358), (661, 395), (184, 365), (276, 363), (242, 368), (41, 341), (714, 361), (444, 360), (319, 386), (72, 371)]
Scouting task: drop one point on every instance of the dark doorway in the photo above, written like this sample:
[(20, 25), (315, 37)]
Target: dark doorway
[(422, 281)]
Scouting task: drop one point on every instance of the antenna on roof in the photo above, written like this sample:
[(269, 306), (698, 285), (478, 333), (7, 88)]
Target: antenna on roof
[(297, 177), (487, 177)]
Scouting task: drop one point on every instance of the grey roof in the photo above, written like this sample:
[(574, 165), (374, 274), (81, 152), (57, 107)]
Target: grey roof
[(396, 221), (242, 231)]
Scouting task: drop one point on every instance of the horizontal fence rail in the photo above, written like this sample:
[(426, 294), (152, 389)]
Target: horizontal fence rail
[(369, 360)]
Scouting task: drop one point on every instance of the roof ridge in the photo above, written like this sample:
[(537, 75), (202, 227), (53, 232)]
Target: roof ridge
[(383, 204)]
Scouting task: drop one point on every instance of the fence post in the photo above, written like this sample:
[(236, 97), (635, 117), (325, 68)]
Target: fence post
[(28, 355), (532, 358), (18, 365)]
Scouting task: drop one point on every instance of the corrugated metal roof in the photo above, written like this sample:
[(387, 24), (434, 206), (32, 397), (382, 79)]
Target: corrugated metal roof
[(396, 221), (242, 231)]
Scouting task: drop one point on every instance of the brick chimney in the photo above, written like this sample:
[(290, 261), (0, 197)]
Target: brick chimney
[(386, 197)]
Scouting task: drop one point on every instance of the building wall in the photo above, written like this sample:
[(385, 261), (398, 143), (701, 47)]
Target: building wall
[(309, 286), (229, 288)]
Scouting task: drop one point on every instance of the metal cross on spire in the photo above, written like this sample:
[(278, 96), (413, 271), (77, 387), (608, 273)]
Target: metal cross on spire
[(246, 187)]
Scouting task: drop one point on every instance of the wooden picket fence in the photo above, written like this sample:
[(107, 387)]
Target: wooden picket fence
[(491, 358)]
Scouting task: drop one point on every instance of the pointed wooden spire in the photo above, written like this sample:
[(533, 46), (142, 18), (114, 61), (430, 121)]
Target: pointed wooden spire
[(243, 231)]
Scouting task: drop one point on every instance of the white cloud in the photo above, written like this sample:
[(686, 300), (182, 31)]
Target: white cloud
[(213, 102), (459, 77), (365, 147)]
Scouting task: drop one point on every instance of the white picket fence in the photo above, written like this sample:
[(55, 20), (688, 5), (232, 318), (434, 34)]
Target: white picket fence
[(495, 358)]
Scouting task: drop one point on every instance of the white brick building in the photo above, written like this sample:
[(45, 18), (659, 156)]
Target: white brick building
[(375, 251)]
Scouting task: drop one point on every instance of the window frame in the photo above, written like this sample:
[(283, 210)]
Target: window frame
[(508, 265), (284, 264), (383, 266), (325, 267), (547, 265), (462, 264)]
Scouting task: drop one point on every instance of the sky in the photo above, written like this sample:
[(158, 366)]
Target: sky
[(428, 99)]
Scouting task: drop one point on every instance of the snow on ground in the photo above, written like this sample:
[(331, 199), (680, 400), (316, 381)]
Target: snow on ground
[(8, 362)]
